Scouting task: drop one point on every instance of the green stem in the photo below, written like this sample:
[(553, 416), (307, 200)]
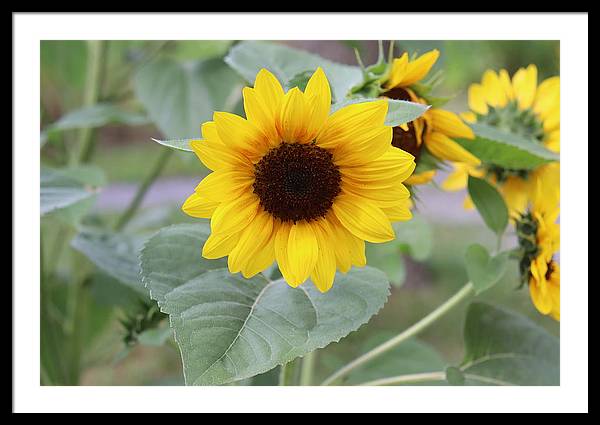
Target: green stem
[(465, 292), (416, 378), (308, 368), (287, 375), (90, 96), (141, 192)]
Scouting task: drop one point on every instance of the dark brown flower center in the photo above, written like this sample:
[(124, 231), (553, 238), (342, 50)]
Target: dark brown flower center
[(297, 181), (550, 270), (405, 140)]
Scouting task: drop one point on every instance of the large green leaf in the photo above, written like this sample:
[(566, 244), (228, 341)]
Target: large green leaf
[(97, 116), (483, 270), (489, 203), (249, 57), (507, 150), (179, 97), (230, 328), (504, 348), (116, 254), (59, 190)]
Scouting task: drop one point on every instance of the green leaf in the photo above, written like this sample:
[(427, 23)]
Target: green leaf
[(387, 258), (230, 328), (505, 348), (249, 57), (116, 254), (399, 111), (97, 116), (414, 237), (489, 203), (484, 271), (179, 144), (507, 150), (59, 190), (179, 97)]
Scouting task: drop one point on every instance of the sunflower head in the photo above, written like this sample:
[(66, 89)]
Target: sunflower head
[(295, 184), (430, 137), (539, 239)]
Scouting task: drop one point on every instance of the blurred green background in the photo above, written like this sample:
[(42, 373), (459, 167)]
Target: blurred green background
[(124, 153)]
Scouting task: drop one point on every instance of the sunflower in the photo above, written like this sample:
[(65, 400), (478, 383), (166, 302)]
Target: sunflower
[(517, 106), (435, 129), (539, 239), (293, 184)]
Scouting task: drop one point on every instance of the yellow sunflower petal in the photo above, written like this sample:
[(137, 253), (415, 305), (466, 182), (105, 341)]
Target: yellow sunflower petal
[(394, 166), (525, 85), (217, 246), (215, 155), (363, 218), (457, 180), (384, 196), (225, 184), (494, 92), (399, 212), (323, 273), (419, 68), (552, 120), (239, 134), (349, 250), (293, 117), (450, 124), (235, 215), (262, 259), (476, 99), (445, 148), (197, 206), (516, 194), (468, 117), (420, 178), (506, 84), (269, 90), (547, 97), (250, 241), (542, 302), (260, 115), (366, 147), (552, 141), (399, 66), (282, 237), (303, 251), (346, 126), (318, 96)]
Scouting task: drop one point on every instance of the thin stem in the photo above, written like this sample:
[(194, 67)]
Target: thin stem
[(287, 375), (465, 292), (308, 368), (90, 96), (407, 379), (141, 192)]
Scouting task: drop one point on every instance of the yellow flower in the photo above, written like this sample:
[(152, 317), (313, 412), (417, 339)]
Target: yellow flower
[(544, 287), (436, 128), (539, 240), (522, 107), (296, 185)]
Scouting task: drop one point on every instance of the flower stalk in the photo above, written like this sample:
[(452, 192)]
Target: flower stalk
[(465, 292)]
